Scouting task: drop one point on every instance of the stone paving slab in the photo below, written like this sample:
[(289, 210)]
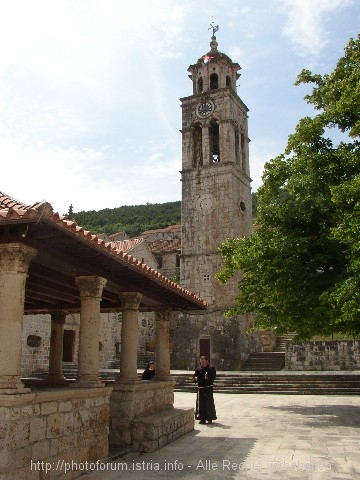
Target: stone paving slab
[(304, 437)]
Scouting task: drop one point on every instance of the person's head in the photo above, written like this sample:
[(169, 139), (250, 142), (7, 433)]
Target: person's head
[(204, 360), (151, 365)]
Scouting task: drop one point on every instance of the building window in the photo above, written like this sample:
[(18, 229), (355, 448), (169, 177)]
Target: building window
[(197, 137), (243, 162), (200, 85), (215, 142), (33, 341), (228, 81), (206, 277), (237, 147), (214, 81)]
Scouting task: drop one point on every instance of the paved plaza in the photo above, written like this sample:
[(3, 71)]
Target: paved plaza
[(256, 436)]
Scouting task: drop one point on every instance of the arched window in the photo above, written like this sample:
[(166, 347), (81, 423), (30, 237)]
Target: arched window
[(237, 147), (228, 81), (197, 141), (243, 163), (200, 85), (214, 81), (214, 131)]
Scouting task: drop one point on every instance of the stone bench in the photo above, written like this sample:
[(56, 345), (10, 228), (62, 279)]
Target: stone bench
[(152, 432)]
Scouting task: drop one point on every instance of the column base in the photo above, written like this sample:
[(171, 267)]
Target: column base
[(10, 384)]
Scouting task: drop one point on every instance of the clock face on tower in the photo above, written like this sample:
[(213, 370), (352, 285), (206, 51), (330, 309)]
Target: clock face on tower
[(205, 203), (204, 109)]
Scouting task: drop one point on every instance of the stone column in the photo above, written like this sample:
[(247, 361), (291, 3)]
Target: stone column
[(15, 260), (55, 375), (91, 289), (130, 302), (162, 342)]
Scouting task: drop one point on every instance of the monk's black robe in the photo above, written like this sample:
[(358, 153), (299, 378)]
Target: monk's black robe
[(205, 406)]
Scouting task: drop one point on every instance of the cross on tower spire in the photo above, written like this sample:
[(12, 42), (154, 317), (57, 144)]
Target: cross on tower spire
[(213, 27)]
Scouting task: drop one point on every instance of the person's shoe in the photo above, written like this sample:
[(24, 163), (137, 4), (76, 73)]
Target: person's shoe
[(202, 422), (209, 421)]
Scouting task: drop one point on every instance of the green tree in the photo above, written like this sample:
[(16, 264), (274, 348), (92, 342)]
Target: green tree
[(301, 269)]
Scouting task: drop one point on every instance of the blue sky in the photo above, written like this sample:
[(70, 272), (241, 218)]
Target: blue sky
[(89, 89)]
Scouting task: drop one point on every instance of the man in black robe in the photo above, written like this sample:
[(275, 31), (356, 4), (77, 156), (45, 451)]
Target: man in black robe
[(204, 376)]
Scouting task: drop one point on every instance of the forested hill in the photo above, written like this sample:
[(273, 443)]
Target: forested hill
[(134, 219)]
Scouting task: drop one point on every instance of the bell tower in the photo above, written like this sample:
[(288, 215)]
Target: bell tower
[(216, 193)]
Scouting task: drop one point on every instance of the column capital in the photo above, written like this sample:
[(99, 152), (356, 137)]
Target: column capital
[(90, 286), (16, 257), (163, 315), (58, 316), (130, 300)]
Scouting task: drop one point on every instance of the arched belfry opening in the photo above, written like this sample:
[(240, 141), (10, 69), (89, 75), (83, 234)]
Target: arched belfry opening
[(214, 81), (214, 136), (197, 142), (200, 85)]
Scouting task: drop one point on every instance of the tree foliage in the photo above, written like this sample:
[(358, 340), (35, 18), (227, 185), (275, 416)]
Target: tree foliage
[(301, 269)]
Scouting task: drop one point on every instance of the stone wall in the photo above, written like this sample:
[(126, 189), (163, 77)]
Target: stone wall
[(47, 430), (323, 355), (35, 344), (230, 344), (110, 336)]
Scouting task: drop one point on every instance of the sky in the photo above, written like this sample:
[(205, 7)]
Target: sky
[(90, 89)]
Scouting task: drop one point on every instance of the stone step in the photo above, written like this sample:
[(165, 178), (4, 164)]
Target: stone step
[(306, 384), (264, 361)]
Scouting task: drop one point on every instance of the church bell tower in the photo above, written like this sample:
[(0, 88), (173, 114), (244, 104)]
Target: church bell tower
[(216, 193)]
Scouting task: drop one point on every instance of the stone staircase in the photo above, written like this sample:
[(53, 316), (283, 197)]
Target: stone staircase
[(289, 383), (282, 340), (264, 361), (264, 382)]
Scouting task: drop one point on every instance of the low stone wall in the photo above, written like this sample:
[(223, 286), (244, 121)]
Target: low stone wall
[(43, 433), (142, 416), (323, 355), (153, 432)]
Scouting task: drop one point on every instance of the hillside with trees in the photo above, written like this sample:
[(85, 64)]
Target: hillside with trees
[(133, 219)]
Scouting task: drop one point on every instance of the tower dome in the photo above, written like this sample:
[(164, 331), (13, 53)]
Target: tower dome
[(214, 70)]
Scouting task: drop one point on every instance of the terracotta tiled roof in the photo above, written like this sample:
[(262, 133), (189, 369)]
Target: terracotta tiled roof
[(171, 229), (126, 245), (14, 211), (168, 246)]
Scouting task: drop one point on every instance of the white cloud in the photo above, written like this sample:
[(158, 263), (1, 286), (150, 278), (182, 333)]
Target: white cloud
[(305, 26)]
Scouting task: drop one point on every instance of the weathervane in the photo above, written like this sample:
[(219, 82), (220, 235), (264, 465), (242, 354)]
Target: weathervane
[(213, 27)]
